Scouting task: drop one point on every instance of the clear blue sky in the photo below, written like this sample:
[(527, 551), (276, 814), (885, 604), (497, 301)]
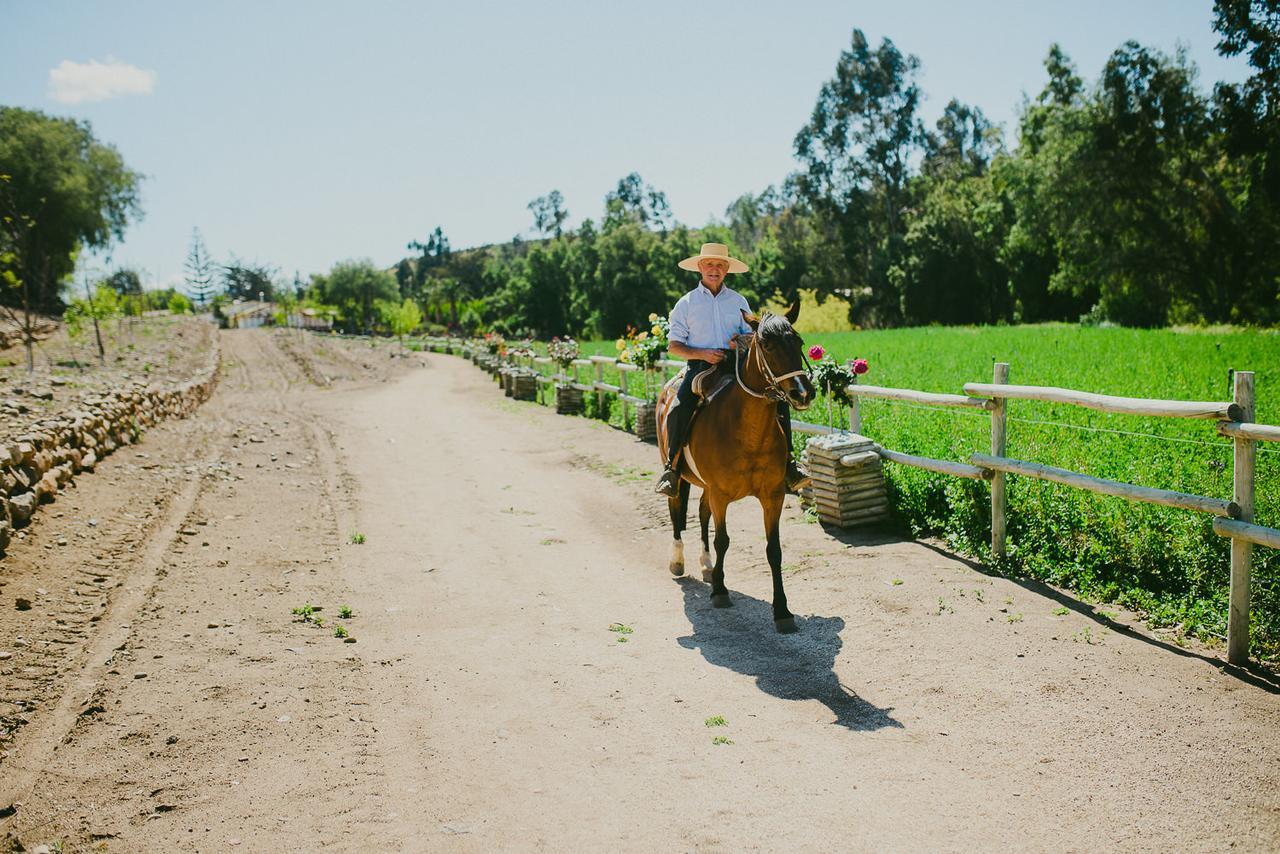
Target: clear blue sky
[(303, 133)]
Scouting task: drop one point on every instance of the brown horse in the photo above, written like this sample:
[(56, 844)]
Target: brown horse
[(736, 448)]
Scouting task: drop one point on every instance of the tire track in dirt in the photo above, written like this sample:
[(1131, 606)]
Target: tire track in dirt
[(80, 698), (231, 683), (488, 706)]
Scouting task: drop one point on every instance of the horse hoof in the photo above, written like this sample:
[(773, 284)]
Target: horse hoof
[(677, 569), (721, 600), (786, 626), (706, 575)]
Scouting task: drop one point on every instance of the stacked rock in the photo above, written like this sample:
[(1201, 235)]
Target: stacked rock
[(568, 400), (43, 459), (848, 480), (524, 384), (646, 425)]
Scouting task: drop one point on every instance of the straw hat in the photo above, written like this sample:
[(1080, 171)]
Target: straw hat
[(718, 251)]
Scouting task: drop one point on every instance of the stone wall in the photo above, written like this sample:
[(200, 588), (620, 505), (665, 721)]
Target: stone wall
[(41, 460)]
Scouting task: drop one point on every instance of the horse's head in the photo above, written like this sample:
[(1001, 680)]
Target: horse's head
[(778, 353)]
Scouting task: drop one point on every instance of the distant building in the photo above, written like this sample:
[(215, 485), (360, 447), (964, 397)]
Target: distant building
[(249, 314), (309, 318)]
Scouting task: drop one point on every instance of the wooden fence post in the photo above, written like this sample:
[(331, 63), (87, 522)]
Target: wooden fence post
[(599, 366), (622, 398), (1241, 549), (855, 414), (1000, 376)]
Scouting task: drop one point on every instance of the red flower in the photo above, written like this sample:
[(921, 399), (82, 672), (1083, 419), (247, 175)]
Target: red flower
[(816, 352), (860, 366)]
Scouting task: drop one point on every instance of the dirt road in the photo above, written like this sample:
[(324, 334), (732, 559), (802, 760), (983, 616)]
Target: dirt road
[(487, 704)]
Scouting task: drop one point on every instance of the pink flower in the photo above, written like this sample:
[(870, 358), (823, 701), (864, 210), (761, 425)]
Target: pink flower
[(816, 352), (860, 366)]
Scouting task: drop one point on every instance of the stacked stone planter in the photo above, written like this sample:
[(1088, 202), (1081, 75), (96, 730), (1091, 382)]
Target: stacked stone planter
[(41, 461), (646, 423), (568, 400), (506, 377), (847, 495), (524, 384)]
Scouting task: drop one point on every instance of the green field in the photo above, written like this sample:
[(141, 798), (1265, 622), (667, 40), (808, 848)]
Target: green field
[(1165, 563)]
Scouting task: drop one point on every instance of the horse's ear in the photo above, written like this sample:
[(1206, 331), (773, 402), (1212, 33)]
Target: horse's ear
[(752, 320), (793, 313)]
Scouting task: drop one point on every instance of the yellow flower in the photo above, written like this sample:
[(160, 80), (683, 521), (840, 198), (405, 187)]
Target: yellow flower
[(621, 345), (656, 331), (653, 315), (642, 336)]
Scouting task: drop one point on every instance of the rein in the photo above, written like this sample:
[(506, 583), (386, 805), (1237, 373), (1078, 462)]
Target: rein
[(773, 382)]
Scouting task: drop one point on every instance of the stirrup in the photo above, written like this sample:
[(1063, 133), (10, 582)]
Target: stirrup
[(668, 483), (797, 478)]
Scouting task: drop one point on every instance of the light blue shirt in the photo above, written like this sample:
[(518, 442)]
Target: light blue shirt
[(707, 322)]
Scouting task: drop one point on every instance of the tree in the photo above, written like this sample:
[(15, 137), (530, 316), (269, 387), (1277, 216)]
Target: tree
[(635, 201), (249, 280), (102, 303), (402, 318), (1248, 116), (962, 144), (549, 214), (435, 253), (126, 282), (405, 280), (355, 287), (61, 190), (178, 304), (856, 152), (547, 304), (199, 271)]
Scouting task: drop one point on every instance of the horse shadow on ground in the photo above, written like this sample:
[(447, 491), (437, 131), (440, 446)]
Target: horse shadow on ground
[(799, 666)]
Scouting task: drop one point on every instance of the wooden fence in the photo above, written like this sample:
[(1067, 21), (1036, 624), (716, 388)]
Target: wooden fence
[(1233, 518)]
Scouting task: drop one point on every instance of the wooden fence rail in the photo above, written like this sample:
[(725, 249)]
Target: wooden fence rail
[(1234, 517)]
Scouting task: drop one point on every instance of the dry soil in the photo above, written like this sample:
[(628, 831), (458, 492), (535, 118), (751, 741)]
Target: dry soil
[(165, 698)]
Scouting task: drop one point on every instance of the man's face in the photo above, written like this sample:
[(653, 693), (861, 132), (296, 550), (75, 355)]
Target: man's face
[(713, 272)]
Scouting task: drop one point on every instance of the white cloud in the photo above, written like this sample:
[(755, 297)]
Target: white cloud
[(80, 82)]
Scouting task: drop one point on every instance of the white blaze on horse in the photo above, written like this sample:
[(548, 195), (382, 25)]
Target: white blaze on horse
[(736, 448)]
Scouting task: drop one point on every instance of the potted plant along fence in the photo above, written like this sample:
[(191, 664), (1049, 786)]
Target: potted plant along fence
[(497, 346), (491, 358), (523, 380), (562, 352), (833, 379), (644, 349)]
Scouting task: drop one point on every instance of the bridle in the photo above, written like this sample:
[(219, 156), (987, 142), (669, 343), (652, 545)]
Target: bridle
[(773, 382)]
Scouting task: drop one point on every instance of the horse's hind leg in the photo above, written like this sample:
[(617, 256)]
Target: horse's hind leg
[(719, 593), (782, 618), (679, 508), (704, 518)]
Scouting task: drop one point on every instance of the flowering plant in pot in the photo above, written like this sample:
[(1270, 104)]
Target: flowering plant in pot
[(562, 352), (644, 348), (834, 378)]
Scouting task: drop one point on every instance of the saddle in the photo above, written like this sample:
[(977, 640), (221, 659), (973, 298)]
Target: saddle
[(709, 382)]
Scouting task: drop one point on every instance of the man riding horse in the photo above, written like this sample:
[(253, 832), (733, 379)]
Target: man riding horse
[(705, 325)]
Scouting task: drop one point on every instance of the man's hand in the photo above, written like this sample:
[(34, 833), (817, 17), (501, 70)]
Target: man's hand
[(715, 357)]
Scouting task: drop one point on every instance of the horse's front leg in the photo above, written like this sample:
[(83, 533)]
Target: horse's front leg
[(782, 618), (704, 518), (719, 593), (679, 508)]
